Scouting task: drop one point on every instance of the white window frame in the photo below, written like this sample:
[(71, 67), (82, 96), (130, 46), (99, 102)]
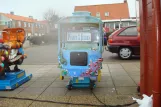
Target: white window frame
[(107, 14), (98, 14), (25, 24), (19, 23), (29, 25)]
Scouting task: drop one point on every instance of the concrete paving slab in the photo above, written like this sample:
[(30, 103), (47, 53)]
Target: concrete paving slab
[(104, 66), (114, 66), (78, 92), (54, 92), (136, 78), (41, 84), (31, 66), (30, 92), (126, 90), (105, 78), (105, 91), (59, 84), (11, 93), (106, 84), (27, 84), (46, 79), (56, 69), (133, 73), (66, 79), (134, 68), (123, 81), (118, 71), (45, 69), (138, 65), (41, 72), (106, 74), (105, 70), (34, 78), (51, 75)]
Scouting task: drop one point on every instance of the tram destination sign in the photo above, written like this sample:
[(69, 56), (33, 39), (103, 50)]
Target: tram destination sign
[(78, 36)]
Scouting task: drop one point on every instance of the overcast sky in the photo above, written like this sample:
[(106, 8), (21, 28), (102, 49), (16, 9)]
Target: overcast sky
[(36, 8)]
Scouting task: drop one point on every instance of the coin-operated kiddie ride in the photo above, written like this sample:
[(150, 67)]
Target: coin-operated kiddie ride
[(80, 48), (12, 53)]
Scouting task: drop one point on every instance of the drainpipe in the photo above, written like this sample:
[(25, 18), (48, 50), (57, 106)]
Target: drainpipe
[(120, 24), (157, 59)]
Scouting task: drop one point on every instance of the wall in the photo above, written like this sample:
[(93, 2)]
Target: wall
[(3, 19)]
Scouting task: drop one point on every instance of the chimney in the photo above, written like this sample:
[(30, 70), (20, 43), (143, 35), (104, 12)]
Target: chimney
[(31, 17), (12, 12), (125, 1)]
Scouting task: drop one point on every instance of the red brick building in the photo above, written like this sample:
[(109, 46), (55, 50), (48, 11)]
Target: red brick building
[(113, 15), (107, 11), (31, 26)]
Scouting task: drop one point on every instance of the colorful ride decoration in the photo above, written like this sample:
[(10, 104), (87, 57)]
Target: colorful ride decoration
[(80, 48), (12, 53), (14, 39)]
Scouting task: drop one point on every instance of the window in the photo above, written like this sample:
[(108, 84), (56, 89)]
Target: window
[(28, 24), (107, 14), (29, 34), (19, 23), (6, 23), (132, 31), (98, 14), (24, 24)]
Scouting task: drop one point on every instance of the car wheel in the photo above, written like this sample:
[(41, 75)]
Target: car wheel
[(125, 53)]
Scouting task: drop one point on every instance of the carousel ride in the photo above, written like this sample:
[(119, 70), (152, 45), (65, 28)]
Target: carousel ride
[(12, 53)]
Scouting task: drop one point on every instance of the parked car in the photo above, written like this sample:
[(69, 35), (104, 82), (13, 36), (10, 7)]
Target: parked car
[(125, 42)]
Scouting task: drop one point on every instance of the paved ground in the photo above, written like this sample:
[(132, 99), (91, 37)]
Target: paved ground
[(118, 85), (48, 55)]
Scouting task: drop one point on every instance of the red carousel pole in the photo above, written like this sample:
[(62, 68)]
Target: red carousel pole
[(157, 59)]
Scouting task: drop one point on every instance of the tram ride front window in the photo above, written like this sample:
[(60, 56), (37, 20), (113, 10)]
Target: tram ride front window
[(78, 40)]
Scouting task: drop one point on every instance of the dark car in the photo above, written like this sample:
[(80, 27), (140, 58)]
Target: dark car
[(125, 42)]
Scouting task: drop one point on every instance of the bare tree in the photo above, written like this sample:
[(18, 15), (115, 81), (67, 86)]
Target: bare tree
[(51, 16)]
